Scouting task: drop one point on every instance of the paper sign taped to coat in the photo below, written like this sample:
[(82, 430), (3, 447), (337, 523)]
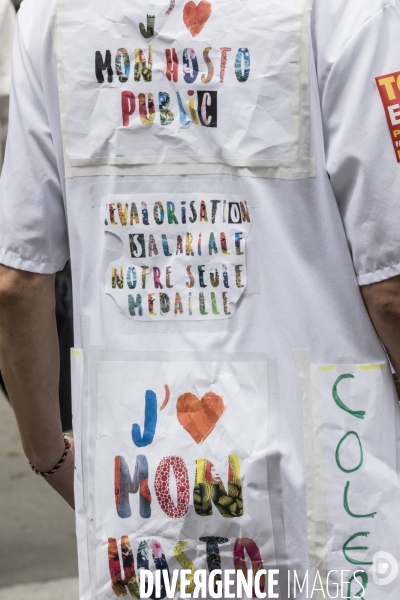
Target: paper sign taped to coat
[(184, 255), (181, 470), (149, 90)]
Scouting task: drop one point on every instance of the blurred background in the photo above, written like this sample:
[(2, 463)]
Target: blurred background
[(38, 559)]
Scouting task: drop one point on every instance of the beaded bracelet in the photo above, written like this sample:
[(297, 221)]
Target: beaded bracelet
[(57, 466)]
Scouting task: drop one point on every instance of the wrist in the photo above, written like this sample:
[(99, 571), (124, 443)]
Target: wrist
[(45, 457), (58, 465), (62, 481)]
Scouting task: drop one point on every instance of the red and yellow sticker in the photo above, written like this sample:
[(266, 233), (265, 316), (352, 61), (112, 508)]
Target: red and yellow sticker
[(389, 89)]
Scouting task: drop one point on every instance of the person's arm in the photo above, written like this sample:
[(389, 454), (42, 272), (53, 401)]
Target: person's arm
[(29, 363), (382, 300)]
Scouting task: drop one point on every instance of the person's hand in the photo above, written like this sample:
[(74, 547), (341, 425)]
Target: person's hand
[(63, 479)]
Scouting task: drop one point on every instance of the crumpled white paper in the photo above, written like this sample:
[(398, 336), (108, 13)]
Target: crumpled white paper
[(184, 255), (358, 432), (242, 57), (240, 399)]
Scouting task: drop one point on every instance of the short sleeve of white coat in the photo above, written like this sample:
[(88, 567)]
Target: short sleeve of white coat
[(353, 45), (7, 21), (33, 232)]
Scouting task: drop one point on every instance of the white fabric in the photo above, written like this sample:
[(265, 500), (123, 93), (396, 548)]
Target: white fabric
[(359, 157), (312, 242), (7, 21)]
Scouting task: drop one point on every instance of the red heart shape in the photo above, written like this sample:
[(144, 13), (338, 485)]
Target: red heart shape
[(195, 16), (199, 417)]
